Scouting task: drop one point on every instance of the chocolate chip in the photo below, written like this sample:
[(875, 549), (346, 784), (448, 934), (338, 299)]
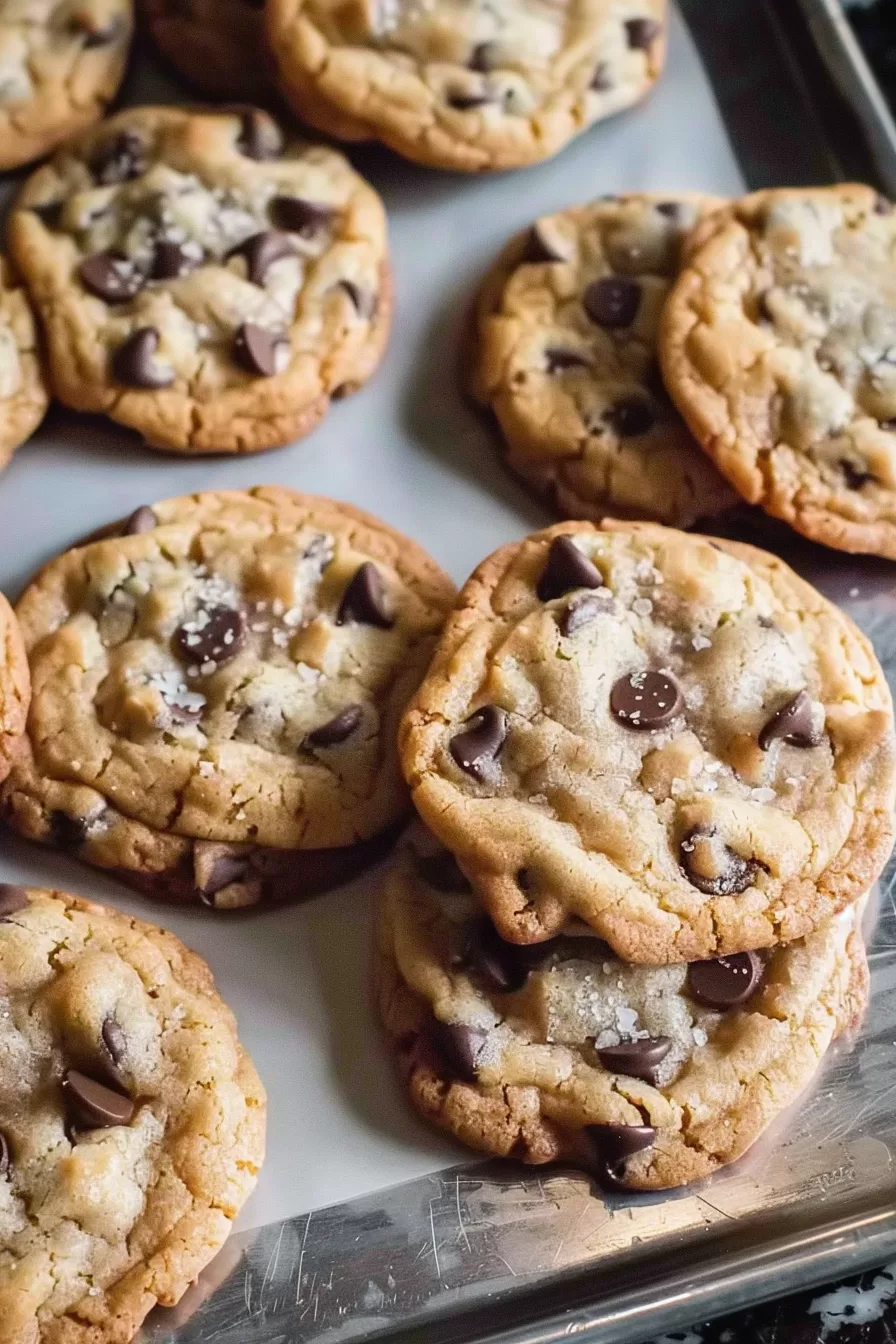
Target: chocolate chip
[(612, 301), (214, 634), (364, 600), (582, 610), (5, 1162), (615, 1144), (671, 209), (363, 300), (119, 160), (171, 260), (259, 136), (133, 363), (226, 869), (539, 249), (441, 872), (337, 729), (641, 33), (92, 1105), (261, 351), (631, 416), (557, 360), (465, 102), (261, 251), (48, 214), (725, 982), (114, 1040), (636, 1059), (307, 218), (12, 899), (882, 206), (566, 568), (480, 741), (460, 1047), (854, 476), (795, 723), (499, 965), (484, 57), (646, 700), (98, 36), (712, 867), (602, 79), (67, 832), (110, 276), (141, 520)]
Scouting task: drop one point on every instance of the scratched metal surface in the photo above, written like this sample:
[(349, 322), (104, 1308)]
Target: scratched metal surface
[(549, 1255)]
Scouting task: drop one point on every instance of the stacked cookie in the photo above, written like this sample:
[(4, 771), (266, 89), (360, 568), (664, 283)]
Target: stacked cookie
[(649, 356), (662, 772)]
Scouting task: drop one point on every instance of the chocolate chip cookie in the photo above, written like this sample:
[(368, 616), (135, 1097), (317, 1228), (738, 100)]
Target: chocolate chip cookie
[(15, 686), (650, 1076), (675, 739), (465, 84), (217, 692), (132, 1122), (60, 65), (23, 390), (203, 280), (566, 358), (779, 346), (218, 45)]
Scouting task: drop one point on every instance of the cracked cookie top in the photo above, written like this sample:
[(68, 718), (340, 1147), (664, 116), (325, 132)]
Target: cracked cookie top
[(566, 358), (203, 280), (131, 1120), (465, 84), (779, 346), (675, 739), (61, 62), (23, 390), (218, 45), (15, 686), (229, 667), (652, 1076)]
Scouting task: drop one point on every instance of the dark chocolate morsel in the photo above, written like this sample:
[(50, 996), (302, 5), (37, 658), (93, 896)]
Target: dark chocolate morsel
[(566, 568), (260, 351), (725, 982), (12, 899), (226, 869), (582, 610), (671, 209), (141, 520), (363, 300), (111, 277), (364, 600), (92, 1105), (4, 1155), (133, 363), (538, 249), (501, 966), (465, 102), (631, 416), (213, 634), (854, 476), (617, 1142), (67, 832), (307, 218), (480, 740), (882, 206), (795, 723), (641, 33), (636, 1059), (48, 214), (712, 867), (602, 79), (460, 1047), (484, 57), (119, 160), (612, 301), (114, 1040), (337, 729), (646, 700), (259, 136), (171, 260), (261, 250)]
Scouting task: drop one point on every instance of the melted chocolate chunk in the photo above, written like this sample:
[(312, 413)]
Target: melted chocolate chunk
[(307, 218), (631, 416), (133, 363), (141, 520), (260, 351), (602, 80), (363, 300), (12, 899), (111, 277), (364, 600), (171, 260), (261, 251), (636, 1059), (725, 982), (259, 136), (67, 832), (794, 723), (613, 301), (854, 476), (460, 1047), (615, 1144), (337, 729), (114, 1040), (582, 610), (501, 966), (539, 249), (646, 700), (566, 568), (712, 867), (480, 741), (92, 1105)]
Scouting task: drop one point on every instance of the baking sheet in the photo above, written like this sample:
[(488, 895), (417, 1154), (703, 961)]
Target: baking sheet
[(409, 449)]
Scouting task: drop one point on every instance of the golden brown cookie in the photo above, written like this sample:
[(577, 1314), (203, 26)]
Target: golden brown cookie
[(132, 1122), (60, 66), (465, 84), (203, 280), (676, 740), (566, 359), (15, 686), (651, 1076), (218, 687), (779, 347), (23, 389)]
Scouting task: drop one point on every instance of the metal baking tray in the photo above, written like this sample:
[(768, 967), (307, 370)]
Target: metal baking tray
[(365, 1224)]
